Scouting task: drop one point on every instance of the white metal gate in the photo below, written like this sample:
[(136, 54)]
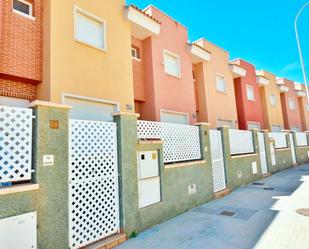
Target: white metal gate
[(262, 153), (292, 148), (217, 160), (93, 182)]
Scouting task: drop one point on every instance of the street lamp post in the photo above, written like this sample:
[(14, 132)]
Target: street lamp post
[(299, 48)]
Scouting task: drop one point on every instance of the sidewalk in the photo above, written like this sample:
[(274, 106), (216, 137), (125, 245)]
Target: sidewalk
[(262, 217)]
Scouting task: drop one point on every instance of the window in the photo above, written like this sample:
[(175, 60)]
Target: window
[(292, 104), (23, 7), (174, 117), (135, 53), (276, 128), (307, 107), (90, 29), (295, 129), (273, 100), (171, 64), (225, 123), (221, 85), (250, 93), (254, 125)]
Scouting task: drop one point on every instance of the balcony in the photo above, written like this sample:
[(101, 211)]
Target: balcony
[(262, 81), (298, 86), (301, 94), (237, 71), (142, 24), (198, 53), (283, 89)]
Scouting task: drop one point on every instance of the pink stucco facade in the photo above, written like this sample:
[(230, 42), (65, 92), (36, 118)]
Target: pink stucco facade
[(249, 111), (155, 90)]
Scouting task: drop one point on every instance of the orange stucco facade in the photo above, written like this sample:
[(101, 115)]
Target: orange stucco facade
[(155, 90), (272, 113), (215, 107)]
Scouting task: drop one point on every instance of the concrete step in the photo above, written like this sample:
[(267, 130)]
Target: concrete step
[(109, 242), (222, 193)]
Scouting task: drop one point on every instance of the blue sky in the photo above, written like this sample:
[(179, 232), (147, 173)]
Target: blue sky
[(260, 31)]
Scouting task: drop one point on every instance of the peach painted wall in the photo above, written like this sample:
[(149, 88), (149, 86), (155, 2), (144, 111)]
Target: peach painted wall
[(165, 92), (214, 105), (247, 110), (272, 115), (291, 118), (75, 68)]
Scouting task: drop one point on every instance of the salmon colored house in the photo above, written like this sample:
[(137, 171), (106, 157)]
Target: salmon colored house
[(247, 93), (214, 82), (290, 108), (271, 100), (21, 44), (303, 105), (162, 72)]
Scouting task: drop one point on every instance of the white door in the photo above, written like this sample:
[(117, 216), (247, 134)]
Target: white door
[(263, 158), (217, 160), (89, 109), (292, 148), (93, 182)]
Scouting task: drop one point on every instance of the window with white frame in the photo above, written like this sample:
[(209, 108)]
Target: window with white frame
[(135, 53), (250, 93), (307, 107), (23, 7), (220, 83), (273, 100), (90, 29), (292, 104), (171, 63), (254, 125), (174, 117)]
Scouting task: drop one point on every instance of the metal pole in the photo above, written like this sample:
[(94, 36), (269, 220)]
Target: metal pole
[(299, 48)]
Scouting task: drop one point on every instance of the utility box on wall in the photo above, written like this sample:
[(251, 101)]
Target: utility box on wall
[(149, 183), (19, 232)]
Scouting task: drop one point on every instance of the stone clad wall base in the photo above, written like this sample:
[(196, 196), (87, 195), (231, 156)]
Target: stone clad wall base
[(51, 199), (175, 180)]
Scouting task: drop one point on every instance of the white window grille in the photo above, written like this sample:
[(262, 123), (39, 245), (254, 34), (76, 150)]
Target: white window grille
[(171, 63), (241, 142), (301, 139), (181, 142), (90, 29), (15, 144), (250, 93), (280, 139), (221, 84)]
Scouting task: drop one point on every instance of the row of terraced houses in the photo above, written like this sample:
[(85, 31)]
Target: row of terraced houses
[(101, 60), (111, 122)]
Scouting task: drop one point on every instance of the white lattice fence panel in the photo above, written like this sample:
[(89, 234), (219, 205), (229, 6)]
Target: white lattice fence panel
[(93, 177), (181, 142), (217, 160), (301, 139), (241, 142), (280, 139), (15, 144)]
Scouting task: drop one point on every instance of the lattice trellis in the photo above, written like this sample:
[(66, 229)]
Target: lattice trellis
[(241, 142), (301, 139), (217, 160), (93, 176), (181, 142), (15, 144), (280, 139)]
